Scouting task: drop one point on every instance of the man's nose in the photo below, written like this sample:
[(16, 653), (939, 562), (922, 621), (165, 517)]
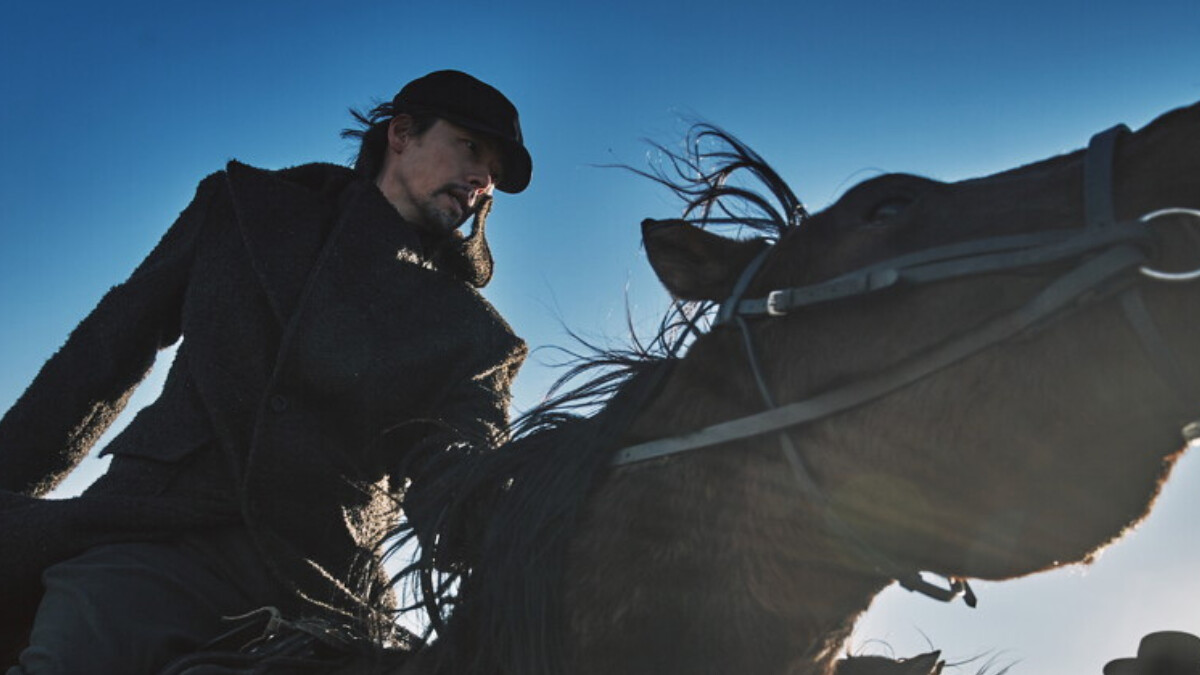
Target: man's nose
[(482, 178)]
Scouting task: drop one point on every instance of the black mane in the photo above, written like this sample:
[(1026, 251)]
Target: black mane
[(715, 176), (718, 177), (532, 490)]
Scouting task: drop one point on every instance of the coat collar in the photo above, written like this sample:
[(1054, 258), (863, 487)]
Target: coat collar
[(284, 218), (287, 217)]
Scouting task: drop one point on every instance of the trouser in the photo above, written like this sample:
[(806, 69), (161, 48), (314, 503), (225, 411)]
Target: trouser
[(131, 608)]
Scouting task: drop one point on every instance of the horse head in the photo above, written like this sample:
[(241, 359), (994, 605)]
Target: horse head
[(974, 379), (1016, 393)]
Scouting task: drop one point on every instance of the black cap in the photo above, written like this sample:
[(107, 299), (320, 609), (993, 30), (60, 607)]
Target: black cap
[(463, 100)]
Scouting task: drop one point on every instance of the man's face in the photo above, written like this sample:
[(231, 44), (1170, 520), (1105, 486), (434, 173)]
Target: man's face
[(436, 180)]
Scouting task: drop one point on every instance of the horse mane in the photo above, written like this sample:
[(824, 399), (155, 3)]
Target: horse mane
[(717, 178), (531, 492)]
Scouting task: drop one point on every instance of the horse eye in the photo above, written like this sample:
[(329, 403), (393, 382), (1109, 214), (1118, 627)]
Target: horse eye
[(886, 210)]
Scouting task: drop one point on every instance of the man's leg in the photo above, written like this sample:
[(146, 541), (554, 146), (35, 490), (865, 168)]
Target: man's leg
[(131, 608)]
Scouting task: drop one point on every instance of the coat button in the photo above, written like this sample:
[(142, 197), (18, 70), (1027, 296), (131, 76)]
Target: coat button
[(279, 403)]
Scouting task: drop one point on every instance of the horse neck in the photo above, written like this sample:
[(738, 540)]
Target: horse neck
[(797, 577)]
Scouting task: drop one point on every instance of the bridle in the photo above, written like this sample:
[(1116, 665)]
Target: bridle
[(1104, 248)]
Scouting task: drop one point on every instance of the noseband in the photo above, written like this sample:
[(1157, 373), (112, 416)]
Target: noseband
[(1105, 248)]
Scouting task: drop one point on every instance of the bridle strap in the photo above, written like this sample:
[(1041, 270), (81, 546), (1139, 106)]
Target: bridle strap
[(953, 261), (1098, 166), (1052, 299), (977, 256), (927, 266), (729, 307), (1155, 345), (1101, 214)]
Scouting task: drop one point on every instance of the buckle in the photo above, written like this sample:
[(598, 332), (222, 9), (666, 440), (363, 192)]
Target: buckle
[(1159, 274), (955, 589), (1191, 432), (775, 304)]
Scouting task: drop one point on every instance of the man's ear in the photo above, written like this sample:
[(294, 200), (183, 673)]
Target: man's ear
[(695, 264), (398, 135)]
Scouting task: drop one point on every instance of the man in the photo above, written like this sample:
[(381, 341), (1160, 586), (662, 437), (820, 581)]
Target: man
[(334, 348)]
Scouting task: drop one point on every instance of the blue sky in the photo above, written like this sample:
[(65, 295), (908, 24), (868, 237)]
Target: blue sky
[(111, 112)]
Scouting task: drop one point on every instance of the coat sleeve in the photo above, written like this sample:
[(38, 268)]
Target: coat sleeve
[(82, 388)]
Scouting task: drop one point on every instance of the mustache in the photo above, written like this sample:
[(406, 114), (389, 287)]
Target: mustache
[(469, 197)]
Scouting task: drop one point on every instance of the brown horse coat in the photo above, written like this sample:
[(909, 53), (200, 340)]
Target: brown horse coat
[(322, 346)]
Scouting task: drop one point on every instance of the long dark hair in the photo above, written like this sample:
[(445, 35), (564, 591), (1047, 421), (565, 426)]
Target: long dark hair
[(371, 132)]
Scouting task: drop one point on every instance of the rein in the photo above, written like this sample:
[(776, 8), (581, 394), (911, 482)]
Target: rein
[(1107, 249)]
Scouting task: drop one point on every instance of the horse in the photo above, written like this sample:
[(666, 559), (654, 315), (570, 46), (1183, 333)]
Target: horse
[(975, 380)]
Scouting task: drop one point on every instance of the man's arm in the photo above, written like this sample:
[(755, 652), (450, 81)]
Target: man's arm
[(82, 388)]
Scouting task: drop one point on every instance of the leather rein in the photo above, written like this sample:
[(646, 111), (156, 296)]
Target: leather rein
[(1105, 248)]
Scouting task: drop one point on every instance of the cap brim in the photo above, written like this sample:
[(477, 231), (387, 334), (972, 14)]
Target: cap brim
[(518, 165), (1122, 667)]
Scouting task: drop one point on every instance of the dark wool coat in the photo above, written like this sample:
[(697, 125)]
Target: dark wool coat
[(324, 346)]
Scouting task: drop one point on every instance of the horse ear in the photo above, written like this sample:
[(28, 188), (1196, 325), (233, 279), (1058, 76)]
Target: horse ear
[(695, 264), (924, 664)]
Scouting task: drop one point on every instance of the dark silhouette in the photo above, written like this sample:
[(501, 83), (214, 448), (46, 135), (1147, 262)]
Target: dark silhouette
[(923, 664), (757, 556), (1161, 653), (334, 355)]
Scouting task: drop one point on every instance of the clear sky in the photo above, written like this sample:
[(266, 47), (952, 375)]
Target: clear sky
[(111, 112)]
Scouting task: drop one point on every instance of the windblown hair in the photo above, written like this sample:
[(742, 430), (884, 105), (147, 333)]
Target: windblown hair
[(501, 610), (707, 177), (371, 133), (721, 182)]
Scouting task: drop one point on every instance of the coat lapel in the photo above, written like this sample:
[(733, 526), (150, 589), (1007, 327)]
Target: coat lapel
[(373, 232), (284, 221)]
